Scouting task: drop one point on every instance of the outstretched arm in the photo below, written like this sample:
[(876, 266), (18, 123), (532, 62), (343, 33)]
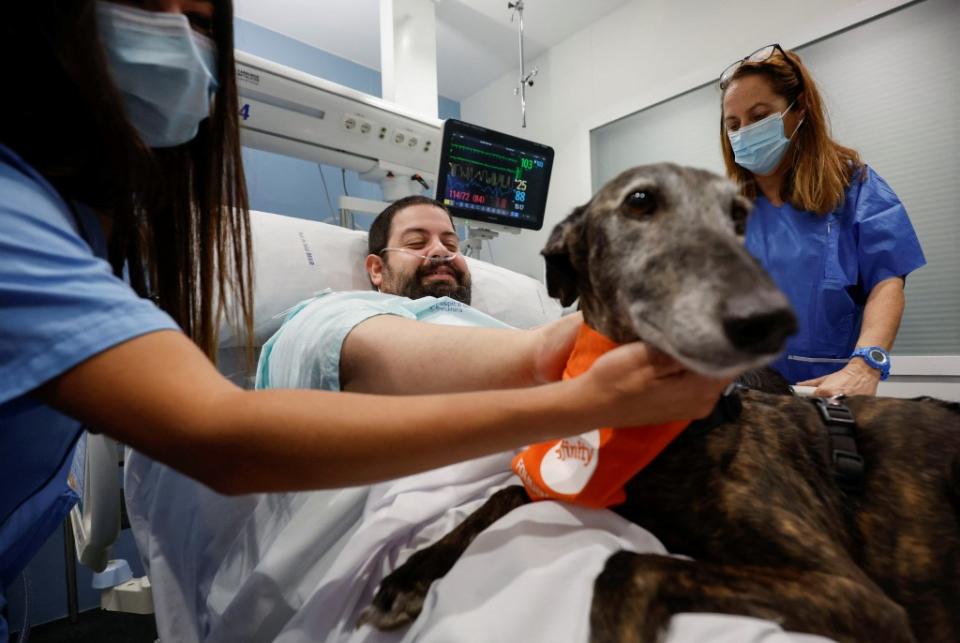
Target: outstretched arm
[(881, 321), (392, 355), (159, 394)]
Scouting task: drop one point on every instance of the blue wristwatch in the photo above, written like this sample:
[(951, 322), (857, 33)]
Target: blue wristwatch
[(875, 357)]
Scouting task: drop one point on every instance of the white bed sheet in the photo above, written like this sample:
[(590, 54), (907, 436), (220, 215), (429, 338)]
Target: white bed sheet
[(300, 567)]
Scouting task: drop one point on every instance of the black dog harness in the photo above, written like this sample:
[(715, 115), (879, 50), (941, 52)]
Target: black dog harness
[(727, 409), (842, 447)]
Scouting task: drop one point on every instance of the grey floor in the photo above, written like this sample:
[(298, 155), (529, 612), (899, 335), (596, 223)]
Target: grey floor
[(95, 626)]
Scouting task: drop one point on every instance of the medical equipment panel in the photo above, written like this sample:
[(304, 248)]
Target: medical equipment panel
[(289, 112)]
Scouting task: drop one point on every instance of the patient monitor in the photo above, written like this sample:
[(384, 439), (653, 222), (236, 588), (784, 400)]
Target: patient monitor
[(492, 178), (492, 182)]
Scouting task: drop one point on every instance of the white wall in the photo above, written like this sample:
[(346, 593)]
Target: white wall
[(640, 55)]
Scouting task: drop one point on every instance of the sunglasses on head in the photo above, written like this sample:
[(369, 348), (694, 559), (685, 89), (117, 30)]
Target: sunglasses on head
[(759, 56)]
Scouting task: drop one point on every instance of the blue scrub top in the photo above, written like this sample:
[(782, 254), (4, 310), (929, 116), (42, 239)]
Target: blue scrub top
[(60, 304), (827, 266)]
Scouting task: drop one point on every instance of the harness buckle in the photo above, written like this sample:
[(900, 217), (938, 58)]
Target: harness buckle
[(834, 412), (848, 470)]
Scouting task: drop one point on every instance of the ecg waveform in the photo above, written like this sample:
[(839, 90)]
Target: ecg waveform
[(482, 175)]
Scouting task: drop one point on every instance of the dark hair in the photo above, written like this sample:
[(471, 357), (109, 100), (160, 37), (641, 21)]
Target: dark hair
[(380, 228), (821, 169), (179, 216)]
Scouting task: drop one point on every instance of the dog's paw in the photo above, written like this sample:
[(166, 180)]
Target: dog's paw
[(393, 607), (399, 599)]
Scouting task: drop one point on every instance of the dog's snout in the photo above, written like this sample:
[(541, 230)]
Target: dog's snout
[(760, 333)]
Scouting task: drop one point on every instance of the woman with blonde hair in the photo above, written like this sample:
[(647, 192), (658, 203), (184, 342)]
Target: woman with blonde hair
[(831, 232)]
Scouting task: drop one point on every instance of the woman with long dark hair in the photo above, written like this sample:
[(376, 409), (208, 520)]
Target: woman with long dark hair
[(124, 243)]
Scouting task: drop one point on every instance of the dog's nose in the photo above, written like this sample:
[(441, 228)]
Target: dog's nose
[(760, 333)]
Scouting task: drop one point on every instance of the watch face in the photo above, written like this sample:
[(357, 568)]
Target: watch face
[(878, 356)]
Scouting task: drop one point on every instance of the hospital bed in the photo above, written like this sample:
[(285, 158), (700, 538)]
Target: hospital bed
[(300, 566)]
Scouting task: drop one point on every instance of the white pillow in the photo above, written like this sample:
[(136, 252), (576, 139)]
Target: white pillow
[(295, 258), (511, 297)]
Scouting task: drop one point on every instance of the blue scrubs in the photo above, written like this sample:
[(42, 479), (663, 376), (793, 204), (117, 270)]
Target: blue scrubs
[(60, 304), (827, 266)]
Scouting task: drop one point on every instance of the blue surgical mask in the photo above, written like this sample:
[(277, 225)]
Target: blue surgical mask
[(760, 147), (164, 69)]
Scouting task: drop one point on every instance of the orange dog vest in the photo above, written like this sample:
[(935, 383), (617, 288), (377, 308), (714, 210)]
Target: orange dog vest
[(591, 469)]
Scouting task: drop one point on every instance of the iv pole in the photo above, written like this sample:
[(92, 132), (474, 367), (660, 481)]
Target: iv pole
[(476, 236), (525, 79)]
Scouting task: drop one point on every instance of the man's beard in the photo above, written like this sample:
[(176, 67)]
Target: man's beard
[(414, 286)]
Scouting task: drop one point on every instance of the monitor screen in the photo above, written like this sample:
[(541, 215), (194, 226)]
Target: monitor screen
[(493, 177)]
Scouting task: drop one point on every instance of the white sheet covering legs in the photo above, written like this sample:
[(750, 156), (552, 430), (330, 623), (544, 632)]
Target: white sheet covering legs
[(300, 567), (530, 578)]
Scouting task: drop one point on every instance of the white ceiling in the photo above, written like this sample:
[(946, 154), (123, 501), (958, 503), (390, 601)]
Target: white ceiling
[(476, 42)]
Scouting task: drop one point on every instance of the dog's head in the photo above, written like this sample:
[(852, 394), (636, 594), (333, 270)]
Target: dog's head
[(658, 254)]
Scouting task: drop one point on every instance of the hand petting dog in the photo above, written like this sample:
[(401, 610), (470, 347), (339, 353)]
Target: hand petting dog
[(856, 378)]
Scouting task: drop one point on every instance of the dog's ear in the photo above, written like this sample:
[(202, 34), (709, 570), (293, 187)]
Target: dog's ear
[(561, 273), (739, 212)]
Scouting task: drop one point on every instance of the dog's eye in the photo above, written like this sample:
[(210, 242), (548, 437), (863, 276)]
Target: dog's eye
[(641, 203)]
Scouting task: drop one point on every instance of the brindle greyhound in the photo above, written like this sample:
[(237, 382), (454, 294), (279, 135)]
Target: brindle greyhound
[(656, 254)]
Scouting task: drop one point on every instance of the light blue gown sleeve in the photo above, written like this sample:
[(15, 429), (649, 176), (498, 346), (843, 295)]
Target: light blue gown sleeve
[(305, 352), (888, 245)]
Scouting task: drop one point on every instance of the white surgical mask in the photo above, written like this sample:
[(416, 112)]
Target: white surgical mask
[(759, 147), (165, 71)]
